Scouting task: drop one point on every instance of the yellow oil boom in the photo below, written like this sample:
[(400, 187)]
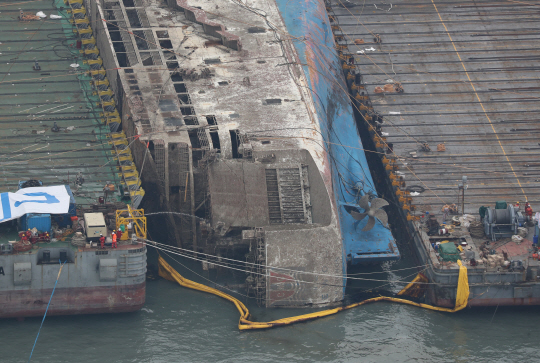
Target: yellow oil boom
[(462, 296)]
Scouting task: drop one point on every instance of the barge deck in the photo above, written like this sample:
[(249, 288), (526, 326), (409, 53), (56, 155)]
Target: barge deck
[(447, 91), (58, 127)]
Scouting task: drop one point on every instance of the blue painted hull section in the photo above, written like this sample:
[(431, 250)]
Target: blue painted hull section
[(308, 22)]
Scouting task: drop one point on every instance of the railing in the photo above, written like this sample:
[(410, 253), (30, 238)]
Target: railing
[(135, 217)]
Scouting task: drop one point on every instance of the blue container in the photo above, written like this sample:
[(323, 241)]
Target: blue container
[(64, 220), (41, 221), (21, 182), (535, 240), (72, 207)]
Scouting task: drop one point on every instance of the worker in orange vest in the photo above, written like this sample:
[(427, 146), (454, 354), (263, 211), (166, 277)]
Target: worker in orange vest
[(528, 210), (113, 236), (102, 240)]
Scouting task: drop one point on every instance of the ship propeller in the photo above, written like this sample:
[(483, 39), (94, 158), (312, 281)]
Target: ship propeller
[(372, 211)]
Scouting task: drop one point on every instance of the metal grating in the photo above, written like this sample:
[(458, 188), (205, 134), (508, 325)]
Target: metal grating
[(147, 127), (203, 139), (159, 151), (151, 41), (287, 196), (185, 197), (272, 191), (143, 18), (292, 200), (126, 38), (156, 58)]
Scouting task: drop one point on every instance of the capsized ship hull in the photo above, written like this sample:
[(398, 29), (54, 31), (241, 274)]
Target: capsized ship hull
[(307, 21)]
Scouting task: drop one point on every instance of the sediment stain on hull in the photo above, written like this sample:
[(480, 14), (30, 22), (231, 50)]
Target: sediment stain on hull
[(72, 301)]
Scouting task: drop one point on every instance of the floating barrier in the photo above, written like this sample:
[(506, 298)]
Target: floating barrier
[(167, 272)]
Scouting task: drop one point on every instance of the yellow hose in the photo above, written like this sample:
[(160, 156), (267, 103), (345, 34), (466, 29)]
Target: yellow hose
[(169, 273)]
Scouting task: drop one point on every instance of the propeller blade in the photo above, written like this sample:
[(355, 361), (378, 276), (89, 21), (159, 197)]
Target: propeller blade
[(358, 216), (378, 203), (364, 202), (370, 224), (381, 215)]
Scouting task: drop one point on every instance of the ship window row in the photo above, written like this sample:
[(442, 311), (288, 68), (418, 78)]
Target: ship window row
[(137, 250)]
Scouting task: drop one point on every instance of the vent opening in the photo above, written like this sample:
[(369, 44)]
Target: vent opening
[(256, 29), (122, 60), (180, 87), (119, 47), (194, 138), (190, 120), (172, 65), (211, 119), (273, 101), (148, 62), (140, 40), (234, 144), (165, 43), (215, 140), (212, 60), (162, 34), (133, 18), (175, 77), (186, 111), (115, 34), (184, 98)]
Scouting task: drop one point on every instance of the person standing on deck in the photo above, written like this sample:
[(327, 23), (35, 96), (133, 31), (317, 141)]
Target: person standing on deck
[(528, 211), (446, 211), (102, 241), (118, 235), (113, 236)]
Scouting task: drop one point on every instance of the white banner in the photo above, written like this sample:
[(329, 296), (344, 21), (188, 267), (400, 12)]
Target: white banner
[(48, 200)]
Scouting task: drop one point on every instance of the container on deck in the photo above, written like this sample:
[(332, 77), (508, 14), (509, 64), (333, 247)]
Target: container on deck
[(65, 220), (94, 224), (42, 222)]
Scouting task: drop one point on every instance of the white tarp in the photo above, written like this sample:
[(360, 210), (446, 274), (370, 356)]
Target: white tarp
[(49, 200)]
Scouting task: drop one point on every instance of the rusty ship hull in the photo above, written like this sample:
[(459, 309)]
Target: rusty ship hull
[(82, 300)]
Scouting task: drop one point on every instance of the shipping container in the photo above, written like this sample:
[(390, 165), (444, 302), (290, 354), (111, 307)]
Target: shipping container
[(41, 221), (94, 223), (64, 220)]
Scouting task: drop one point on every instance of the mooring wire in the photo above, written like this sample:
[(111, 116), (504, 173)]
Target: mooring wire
[(43, 320)]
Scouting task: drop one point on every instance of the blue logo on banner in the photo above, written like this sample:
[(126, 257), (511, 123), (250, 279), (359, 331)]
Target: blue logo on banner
[(6, 208), (49, 199)]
